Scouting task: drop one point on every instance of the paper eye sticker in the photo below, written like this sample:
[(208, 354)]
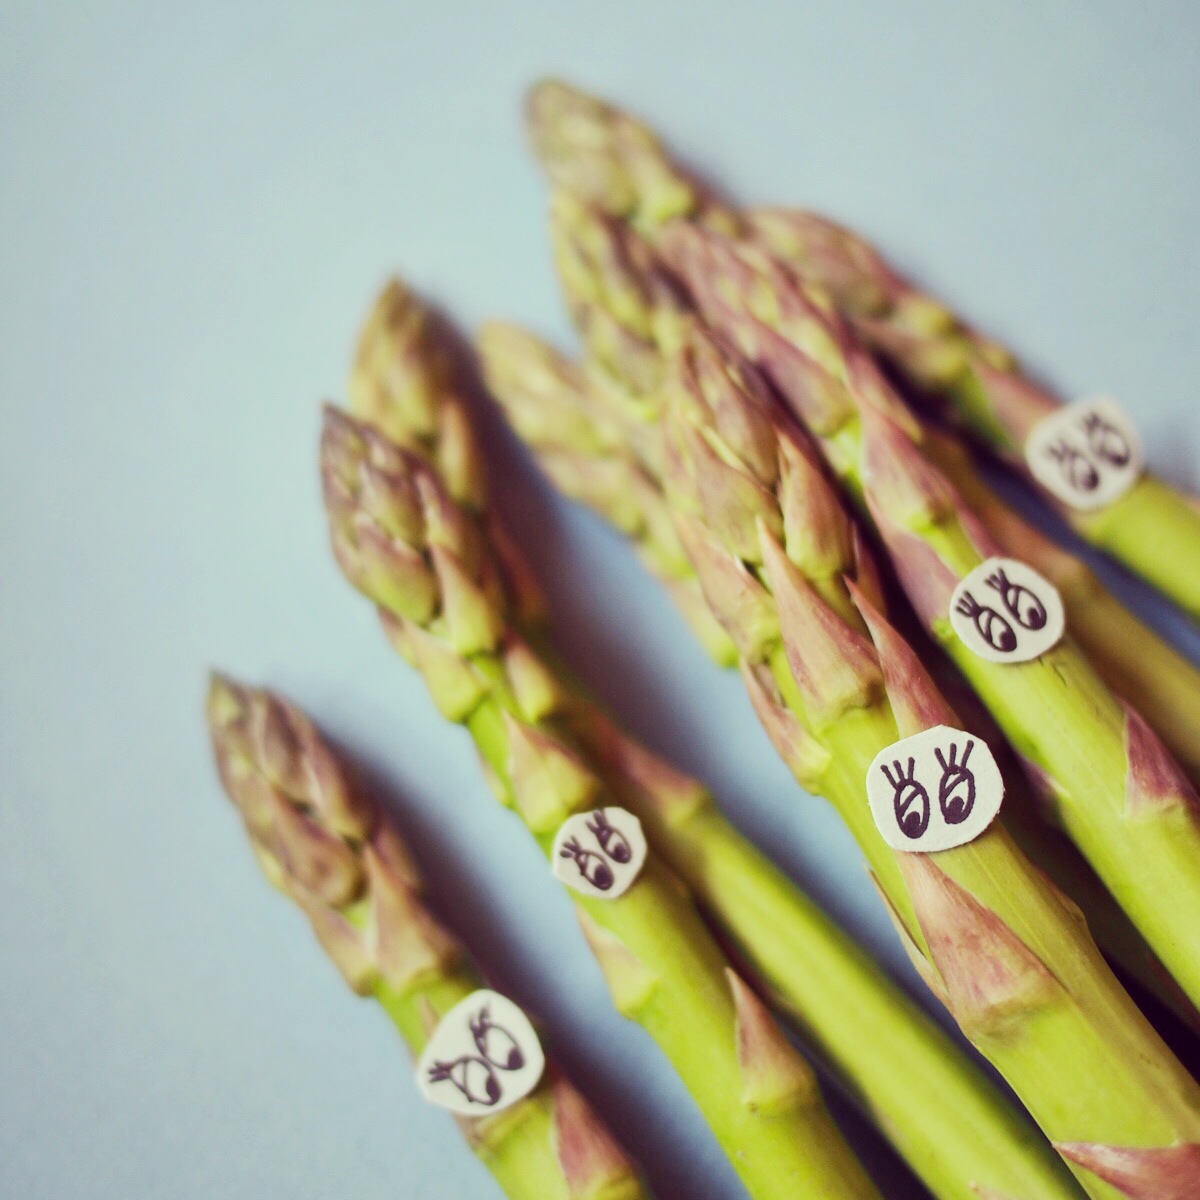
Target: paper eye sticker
[(1087, 454), (599, 853), (483, 1057), (1005, 611), (936, 789)]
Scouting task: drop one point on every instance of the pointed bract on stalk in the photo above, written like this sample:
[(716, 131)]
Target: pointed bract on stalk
[(593, 1165), (915, 699), (1168, 1173), (991, 978), (834, 666), (774, 1076), (1154, 781)]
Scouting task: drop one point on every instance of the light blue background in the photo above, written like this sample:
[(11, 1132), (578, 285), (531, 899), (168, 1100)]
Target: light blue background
[(197, 202)]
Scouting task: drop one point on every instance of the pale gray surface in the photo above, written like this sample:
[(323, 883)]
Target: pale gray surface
[(196, 204)]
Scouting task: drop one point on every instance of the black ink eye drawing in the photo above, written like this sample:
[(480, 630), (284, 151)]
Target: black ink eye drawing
[(612, 841), (992, 626), (590, 863), (473, 1076), (1106, 441), (1077, 469), (956, 790), (495, 1042), (1023, 605), (910, 800)]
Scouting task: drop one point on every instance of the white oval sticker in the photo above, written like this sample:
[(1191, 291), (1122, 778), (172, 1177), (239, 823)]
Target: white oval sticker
[(599, 853), (937, 789), (483, 1057), (1087, 454), (1005, 612)]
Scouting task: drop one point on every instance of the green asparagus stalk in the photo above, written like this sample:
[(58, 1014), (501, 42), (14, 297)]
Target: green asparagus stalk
[(1117, 792), (422, 558), (1154, 529), (325, 844), (939, 1111), (828, 696)]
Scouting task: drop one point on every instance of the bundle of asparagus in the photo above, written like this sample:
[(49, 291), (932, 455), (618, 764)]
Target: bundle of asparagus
[(422, 557), (1108, 780), (954, 1129), (324, 843), (996, 942), (729, 525)]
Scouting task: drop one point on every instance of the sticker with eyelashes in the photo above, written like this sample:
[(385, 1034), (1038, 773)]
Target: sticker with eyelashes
[(992, 626), (507, 1055), (590, 863), (910, 800), (1106, 441), (956, 789), (1077, 468), (612, 841), (474, 1077), (1022, 603)]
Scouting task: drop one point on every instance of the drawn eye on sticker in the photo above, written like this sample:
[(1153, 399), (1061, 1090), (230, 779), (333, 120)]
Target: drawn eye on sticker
[(612, 840), (474, 1078), (1105, 440), (1077, 469), (1027, 620), (599, 853), (956, 788), (1022, 603), (989, 624), (590, 864), (1086, 454), (956, 766), (910, 801), (483, 1056), (495, 1042)]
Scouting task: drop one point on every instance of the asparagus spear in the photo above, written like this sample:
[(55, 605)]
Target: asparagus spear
[(938, 1110), (1116, 790), (423, 559), (815, 678), (324, 843), (1154, 528)]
